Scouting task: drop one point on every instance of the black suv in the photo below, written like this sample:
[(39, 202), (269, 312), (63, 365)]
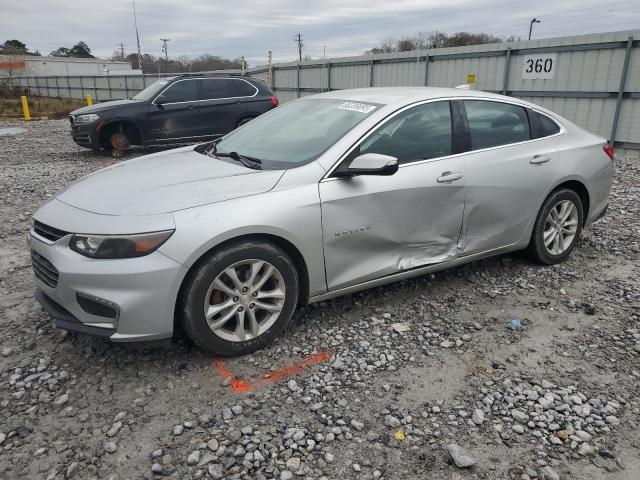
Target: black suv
[(178, 109)]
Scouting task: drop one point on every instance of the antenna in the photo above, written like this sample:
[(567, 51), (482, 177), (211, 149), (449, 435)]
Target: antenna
[(135, 22)]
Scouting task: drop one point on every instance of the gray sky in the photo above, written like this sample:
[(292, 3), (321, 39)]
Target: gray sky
[(251, 27)]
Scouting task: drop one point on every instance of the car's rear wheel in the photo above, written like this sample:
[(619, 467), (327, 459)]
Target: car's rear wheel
[(238, 299), (557, 228), (243, 121)]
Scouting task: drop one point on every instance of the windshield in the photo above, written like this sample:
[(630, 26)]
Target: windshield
[(149, 92), (297, 132)]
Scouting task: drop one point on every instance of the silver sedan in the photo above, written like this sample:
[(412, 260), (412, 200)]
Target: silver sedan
[(321, 197)]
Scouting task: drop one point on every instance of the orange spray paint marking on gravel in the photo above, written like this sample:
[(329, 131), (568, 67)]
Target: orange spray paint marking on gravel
[(239, 385)]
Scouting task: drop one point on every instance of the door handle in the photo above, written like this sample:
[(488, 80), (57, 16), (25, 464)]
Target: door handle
[(191, 107), (540, 159), (449, 177)]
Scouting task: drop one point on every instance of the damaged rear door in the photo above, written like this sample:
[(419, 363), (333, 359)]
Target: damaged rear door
[(375, 226)]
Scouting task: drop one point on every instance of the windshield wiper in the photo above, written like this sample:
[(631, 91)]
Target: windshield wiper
[(249, 162)]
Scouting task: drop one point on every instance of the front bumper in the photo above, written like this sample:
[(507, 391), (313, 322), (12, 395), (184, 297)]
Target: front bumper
[(129, 300), (85, 134)]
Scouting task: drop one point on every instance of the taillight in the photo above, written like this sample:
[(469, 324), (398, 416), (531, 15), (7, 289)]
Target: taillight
[(608, 149), (274, 101)]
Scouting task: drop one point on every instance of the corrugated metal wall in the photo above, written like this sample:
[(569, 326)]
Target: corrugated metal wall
[(584, 87)]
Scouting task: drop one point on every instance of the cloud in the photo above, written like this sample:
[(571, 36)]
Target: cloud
[(251, 27)]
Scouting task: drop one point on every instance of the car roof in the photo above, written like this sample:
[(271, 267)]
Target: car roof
[(407, 95)]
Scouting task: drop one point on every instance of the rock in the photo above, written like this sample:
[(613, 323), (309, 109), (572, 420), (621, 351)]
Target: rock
[(237, 409), (6, 351), (585, 449), (286, 475), (216, 471), (61, 400), (227, 414), (400, 327), (391, 421), (446, 344), (193, 458), (519, 416), (548, 473), (212, 444), (156, 468), (357, 425), (110, 447), (293, 464), (178, 429), (518, 429), (115, 428), (461, 458), (477, 417)]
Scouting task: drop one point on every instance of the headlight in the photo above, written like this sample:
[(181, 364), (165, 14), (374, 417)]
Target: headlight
[(118, 246), (91, 117)]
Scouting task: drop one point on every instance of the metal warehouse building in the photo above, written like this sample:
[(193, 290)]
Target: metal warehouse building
[(29, 65)]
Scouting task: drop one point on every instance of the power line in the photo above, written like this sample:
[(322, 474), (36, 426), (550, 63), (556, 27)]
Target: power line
[(298, 38), (121, 45), (164, 48)]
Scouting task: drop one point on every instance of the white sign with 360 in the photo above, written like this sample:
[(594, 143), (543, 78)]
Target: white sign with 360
[(541, 66)]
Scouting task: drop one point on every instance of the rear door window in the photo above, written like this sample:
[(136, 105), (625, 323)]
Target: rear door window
[(545, 126), (418, 133), (216, 88), (494, 123), (245, 89), (181, 91)]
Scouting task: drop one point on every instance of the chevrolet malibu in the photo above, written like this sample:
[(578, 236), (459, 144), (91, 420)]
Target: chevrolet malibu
[(321, 197)]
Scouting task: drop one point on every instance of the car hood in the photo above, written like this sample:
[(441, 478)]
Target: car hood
[(165, 182), (100, 107)]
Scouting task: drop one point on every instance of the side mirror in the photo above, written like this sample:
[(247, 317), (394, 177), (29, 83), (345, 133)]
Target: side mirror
[(370, 164), (160, 99)]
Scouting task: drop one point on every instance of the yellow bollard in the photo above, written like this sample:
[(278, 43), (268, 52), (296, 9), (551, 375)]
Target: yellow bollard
[(89, 100), (25, 107)]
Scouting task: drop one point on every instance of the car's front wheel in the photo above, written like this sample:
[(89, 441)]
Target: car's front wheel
[(557, 228), (238, 299)]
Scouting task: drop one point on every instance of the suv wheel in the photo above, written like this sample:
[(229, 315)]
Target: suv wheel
[(238, 299), (119, 141), (557, 228)]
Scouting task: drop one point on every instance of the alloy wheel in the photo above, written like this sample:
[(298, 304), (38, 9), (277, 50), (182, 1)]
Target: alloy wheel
[(244, 300), (560, 227)]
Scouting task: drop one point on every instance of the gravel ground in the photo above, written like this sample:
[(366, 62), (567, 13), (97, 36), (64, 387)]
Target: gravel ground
[(422, 379)]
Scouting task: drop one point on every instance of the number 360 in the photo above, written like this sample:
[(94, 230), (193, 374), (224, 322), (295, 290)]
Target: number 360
[(539, 65)]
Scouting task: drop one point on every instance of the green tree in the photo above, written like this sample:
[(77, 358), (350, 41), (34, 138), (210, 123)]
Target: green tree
[(80, 50), (60, 52), (14, 47)]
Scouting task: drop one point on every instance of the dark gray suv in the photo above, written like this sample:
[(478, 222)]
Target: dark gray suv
[(176, 109)]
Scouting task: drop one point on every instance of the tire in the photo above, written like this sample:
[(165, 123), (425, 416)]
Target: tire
[(199, 288), (559, 248), (243, 121), (119, 141)]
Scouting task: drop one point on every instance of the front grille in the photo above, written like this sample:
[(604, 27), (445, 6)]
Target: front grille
[(44, 270), (50, 233)]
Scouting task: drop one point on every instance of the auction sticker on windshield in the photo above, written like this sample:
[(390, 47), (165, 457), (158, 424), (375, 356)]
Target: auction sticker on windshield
[(357, 107)]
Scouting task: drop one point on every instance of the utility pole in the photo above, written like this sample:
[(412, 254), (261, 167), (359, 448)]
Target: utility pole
[(298, 39), (121, 45), (533, 20), (135, 23), (164, 48), (270, 69)]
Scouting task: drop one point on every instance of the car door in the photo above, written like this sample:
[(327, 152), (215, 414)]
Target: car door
[(220, 106), (507, 174), (173, 114), (374, 226)]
